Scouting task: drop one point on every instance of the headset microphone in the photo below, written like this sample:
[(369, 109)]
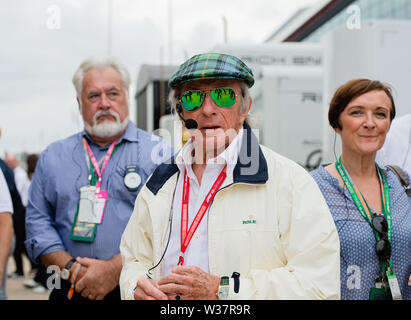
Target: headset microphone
[(189, 123)]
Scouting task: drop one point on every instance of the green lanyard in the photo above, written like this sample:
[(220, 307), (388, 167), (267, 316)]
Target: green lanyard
[(387, 270), (362, 205), (360, 202)]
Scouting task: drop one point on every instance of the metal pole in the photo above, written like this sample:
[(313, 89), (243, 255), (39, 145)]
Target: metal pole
[(161, 83), (109, 25), (225, 29), (170, 31)]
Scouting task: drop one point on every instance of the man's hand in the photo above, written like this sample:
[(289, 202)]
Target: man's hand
[(190, 283), (97, 277), (148, 289)]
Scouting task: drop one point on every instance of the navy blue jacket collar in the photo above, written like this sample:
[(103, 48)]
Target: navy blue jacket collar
[(251, 165)]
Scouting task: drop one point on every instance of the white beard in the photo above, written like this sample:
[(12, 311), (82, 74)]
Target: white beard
[(106, 129)]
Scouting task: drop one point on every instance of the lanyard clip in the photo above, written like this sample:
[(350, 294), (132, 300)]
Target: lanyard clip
[(181, 259)]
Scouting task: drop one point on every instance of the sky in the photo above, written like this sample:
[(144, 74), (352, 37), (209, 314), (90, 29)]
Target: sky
[(44, 41)]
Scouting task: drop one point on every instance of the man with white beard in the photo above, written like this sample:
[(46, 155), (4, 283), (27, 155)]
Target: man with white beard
[(84, 187)]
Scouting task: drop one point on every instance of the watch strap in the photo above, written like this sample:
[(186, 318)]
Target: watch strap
[(69, 264), (223, 288)]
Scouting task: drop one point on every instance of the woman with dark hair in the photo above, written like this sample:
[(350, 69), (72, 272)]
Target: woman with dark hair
[(369, 205)]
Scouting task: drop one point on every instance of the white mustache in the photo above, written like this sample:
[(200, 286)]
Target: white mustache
[(105, 113), (106, 128)]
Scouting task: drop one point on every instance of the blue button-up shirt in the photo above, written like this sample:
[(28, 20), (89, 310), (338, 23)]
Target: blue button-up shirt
[(55, 192)]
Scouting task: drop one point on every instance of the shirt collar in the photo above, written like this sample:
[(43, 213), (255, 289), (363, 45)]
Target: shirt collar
[(128, 135), (230, 155), (245, 170)]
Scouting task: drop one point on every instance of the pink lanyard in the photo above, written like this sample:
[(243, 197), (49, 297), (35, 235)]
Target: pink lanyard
[(186, 237), (95, 163)]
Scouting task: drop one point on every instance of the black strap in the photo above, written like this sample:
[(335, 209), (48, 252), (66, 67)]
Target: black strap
[(69, 264), (403, 178), (236, 277)]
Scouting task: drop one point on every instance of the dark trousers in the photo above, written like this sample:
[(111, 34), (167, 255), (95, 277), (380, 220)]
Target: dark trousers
[(41, 275), (61, 294), (20, 248)]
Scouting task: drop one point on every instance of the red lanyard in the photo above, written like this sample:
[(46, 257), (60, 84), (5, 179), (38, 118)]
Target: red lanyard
[(186, 237), (95, 163)]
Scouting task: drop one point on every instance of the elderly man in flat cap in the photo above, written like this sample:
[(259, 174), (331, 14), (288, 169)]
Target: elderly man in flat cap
[(227, 218)]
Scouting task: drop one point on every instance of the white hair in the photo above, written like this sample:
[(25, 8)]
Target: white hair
[(100, 63), (174, 96)]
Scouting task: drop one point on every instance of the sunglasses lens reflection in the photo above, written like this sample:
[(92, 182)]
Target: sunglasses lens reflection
[(192, 99), (223, 97)]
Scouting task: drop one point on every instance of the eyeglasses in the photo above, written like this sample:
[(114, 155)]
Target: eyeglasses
[(223, 97), (383, 246)]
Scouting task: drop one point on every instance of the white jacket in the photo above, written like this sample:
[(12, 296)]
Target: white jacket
[(273, 227)]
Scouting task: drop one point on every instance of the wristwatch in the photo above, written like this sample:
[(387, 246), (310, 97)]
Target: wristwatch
[(223, 288), (65, 272)]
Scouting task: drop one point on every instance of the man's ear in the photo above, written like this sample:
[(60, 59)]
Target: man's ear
[(247, 110), (250, 102)]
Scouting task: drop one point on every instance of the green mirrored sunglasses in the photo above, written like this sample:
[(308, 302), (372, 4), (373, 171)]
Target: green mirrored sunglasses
[(223, 97)]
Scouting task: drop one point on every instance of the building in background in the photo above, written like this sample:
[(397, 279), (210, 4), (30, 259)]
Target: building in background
[(310, 24), (360, 39), (298, 68), (151, 95)]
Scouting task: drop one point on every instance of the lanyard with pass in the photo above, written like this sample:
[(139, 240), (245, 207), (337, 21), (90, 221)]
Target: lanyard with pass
[(365, 211), (90, 209), (186, 236)]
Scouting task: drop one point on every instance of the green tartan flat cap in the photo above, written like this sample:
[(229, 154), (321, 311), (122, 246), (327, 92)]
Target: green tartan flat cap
[(212, 66)]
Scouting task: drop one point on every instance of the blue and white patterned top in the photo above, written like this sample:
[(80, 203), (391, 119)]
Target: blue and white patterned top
[(359, 262)]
